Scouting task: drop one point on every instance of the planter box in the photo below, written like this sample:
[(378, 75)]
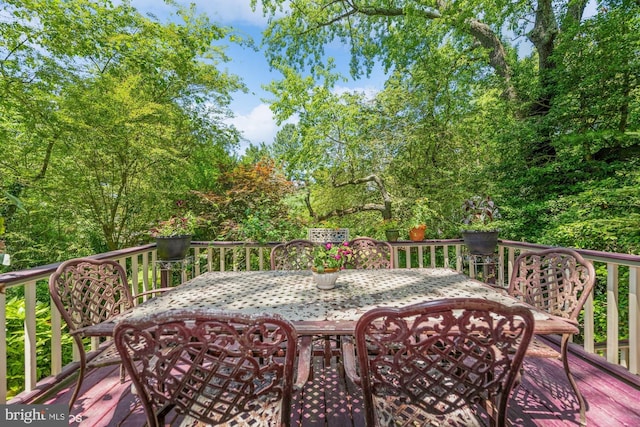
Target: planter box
[(172, 248), (481, 242)]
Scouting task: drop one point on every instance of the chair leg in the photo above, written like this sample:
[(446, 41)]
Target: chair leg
[(83, 368), (574, 385), (327, 350)]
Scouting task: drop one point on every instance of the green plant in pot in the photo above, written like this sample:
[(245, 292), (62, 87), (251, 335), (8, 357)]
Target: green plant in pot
[(330, 257), (421, 214), (391, 229), (173, 236), (480, 231)]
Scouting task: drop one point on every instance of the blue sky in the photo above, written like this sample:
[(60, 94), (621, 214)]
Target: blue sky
[(252, 115)]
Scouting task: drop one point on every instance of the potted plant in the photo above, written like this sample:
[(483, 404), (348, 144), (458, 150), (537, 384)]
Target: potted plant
[(391, 229), (328, 260), (416, 232), (420, 215), (329, 257), (480, 232), (173, 236)]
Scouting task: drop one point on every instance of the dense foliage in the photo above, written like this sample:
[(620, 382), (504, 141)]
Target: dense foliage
[(548, 127), (109, 118)]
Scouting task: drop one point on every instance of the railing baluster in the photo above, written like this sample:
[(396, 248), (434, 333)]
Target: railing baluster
[(30, 361), (196, 261), (588, 324), (56, 339), (408, 256), (261, 257), (135, 283), (612, 313), (445, 255), (634, 321)]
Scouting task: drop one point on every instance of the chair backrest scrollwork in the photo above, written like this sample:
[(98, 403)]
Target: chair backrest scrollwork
[(213, 367), (328, 235), (368, 253), (556, 280), (292, 255), (88, 291), (439, 361)]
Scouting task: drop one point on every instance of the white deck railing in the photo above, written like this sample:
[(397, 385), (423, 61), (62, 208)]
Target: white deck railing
[(237, 256)]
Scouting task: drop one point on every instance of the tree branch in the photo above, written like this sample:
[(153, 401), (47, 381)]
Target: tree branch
[(479, 30), (384, 208), (352, 210)]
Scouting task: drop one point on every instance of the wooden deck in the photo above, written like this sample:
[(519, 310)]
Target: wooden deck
[(544, 397)]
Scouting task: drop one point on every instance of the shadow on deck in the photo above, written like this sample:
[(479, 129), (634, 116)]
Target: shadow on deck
[(544, 398)]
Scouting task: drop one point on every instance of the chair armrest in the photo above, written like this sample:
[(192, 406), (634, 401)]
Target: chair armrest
[(103, 329), (304, 361), (349, 358)]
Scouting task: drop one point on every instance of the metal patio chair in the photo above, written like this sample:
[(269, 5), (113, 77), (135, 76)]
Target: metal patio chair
[(293, 255), (370, 253), (213, 367), (448, 362), (559, 282), (87, 292)]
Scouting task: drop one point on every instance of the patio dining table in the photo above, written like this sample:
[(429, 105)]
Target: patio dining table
[(294, 296)]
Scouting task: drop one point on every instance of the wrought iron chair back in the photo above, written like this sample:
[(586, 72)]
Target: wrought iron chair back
[(559, 282), (87, 292), (213, 367), (293, 255), (369, 253), (440, 361)]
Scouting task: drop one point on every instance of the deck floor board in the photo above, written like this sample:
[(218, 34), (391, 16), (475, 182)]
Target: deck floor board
[(544, 398)]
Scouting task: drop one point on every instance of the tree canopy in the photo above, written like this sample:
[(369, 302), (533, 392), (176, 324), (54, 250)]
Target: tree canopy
[(526, 100), (108, 118)]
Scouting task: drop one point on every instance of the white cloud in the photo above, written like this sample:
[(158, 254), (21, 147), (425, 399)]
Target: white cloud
[(257, 126)]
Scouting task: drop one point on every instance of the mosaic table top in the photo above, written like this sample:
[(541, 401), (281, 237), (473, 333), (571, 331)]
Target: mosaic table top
[(293, 295)]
